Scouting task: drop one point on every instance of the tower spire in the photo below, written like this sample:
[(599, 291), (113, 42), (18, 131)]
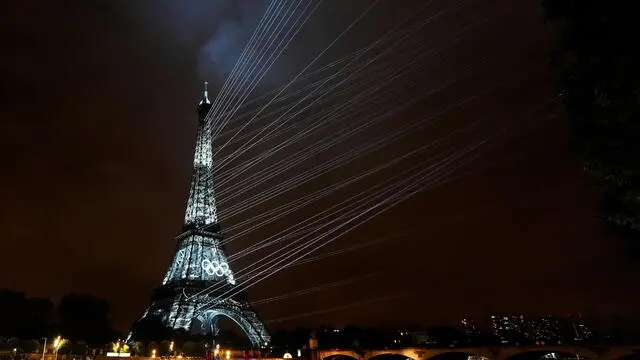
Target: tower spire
[(205, 94), (201, 205)]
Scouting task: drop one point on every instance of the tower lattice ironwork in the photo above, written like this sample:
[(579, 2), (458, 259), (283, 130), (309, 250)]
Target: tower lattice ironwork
[(191, 296)]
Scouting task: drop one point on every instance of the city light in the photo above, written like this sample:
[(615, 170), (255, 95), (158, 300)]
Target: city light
[(171, 346), (153, 353), (57, 344), (228, 354), (44, 347)]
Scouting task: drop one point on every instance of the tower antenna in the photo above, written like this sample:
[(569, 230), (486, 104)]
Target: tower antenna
[(205, 94)]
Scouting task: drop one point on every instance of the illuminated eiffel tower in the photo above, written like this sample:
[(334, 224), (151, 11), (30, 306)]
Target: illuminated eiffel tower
[(192, 294)]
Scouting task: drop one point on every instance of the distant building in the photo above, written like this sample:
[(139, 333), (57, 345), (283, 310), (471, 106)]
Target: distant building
[(402, 338), (422, 338), (469, 327), (510, 329), (413, 338), (581, 331), (546, 330)]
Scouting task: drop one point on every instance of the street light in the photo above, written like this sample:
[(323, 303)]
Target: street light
[(56, 345), (44, 348), (153, 353), (228, 354)]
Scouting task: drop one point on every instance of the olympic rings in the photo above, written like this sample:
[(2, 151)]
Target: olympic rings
[(215, 268)]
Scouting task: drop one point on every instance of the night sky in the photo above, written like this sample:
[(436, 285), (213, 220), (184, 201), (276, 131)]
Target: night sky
[(97, 129)]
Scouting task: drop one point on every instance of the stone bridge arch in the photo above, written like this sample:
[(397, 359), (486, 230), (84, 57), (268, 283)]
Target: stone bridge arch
[(406, 353), (336, 354), (444, 353), (619, 353), (453, 354), (630, 356), (389, 356), (340, 357), (492, 353), (517, 353)]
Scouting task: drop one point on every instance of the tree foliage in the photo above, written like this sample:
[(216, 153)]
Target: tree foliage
[(30, 346), (23, 317), (85, 317), (78, 317), (598, 59)]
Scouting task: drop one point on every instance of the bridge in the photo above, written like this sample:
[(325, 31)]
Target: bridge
[(491, 353)]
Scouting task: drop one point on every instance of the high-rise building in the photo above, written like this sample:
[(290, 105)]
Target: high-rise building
[(510, 329), (581, 331), (469, 327), (546, 330), (422, 338), (199, 287)]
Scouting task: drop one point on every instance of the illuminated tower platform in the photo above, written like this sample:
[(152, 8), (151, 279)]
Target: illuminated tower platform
[(194, 292)]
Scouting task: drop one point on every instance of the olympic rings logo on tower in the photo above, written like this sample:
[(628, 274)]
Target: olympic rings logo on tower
[(215, 268)]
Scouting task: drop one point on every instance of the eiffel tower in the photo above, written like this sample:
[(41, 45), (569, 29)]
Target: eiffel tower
[(192, 294)]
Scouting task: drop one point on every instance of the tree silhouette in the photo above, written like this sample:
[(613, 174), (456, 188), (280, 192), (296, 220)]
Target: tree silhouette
[(40, 321), (598, 59), (447, 335), (85, 317), (25, 318), (30, 346), (13, 311)]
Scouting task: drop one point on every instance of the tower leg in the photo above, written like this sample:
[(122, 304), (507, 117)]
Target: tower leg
[(215, 329), (210, 326)]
